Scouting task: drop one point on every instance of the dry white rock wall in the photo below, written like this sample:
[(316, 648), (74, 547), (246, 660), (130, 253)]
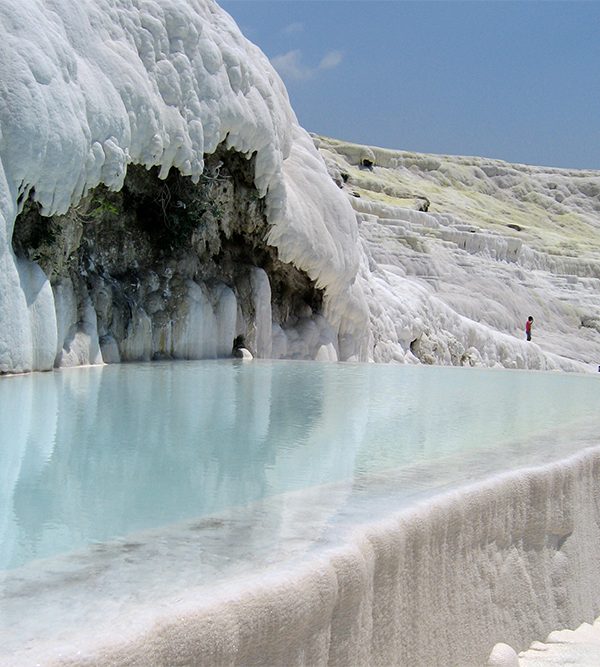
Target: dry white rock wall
[(89, 88), (460, 251), (415, 258)]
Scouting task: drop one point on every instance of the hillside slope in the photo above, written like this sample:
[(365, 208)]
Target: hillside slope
[(461, 250)]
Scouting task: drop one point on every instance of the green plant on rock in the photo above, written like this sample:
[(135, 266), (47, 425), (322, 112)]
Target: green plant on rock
[(103, 207)]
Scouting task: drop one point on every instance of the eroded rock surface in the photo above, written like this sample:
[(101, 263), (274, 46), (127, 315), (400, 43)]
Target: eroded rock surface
[(170, 269)]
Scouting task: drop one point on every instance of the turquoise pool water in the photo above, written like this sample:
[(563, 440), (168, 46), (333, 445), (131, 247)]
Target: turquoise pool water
[(96, 454)]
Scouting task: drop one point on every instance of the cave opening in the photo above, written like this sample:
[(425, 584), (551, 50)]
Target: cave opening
[(136, 248)]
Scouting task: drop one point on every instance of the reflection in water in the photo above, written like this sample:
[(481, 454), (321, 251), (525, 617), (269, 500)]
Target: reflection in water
[(92, 454), (101, 452)]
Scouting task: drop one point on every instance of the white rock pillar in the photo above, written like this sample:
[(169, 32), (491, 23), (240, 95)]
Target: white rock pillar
[(195, 326), (226, 316), (77, 342), (42, 316), (261, 297), (15, 328)]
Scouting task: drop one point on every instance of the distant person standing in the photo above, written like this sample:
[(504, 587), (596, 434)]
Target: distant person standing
[(528, 326)]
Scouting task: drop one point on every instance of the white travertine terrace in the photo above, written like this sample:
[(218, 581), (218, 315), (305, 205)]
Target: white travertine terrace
[(460, 251), (92, 86)]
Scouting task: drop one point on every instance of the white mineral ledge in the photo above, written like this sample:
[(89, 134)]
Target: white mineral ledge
[(580, 647)]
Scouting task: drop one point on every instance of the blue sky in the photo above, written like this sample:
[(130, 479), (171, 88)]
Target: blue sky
[(519, 81)]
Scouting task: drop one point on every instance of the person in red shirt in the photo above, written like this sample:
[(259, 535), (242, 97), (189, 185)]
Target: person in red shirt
[(528, 326)]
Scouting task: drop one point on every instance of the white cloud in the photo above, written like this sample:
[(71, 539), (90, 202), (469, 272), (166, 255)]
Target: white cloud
[(292, 28), (290, 65), (331, 60)]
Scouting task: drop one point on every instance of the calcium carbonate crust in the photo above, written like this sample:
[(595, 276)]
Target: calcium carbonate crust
[(89, 87), (500, 562), (459, 251)]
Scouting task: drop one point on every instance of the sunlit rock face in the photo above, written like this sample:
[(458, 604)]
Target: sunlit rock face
[(157, 196), (158, 199), (460, 251)]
